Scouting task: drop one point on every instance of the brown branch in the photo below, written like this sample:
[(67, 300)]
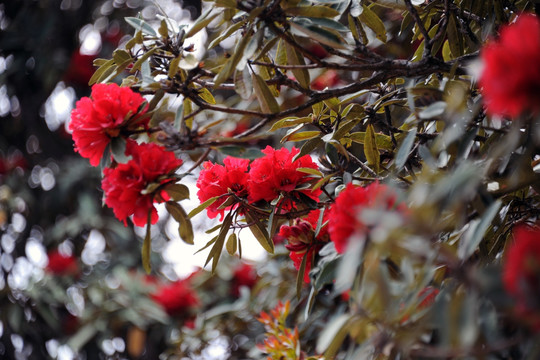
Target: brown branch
[(427, 41)]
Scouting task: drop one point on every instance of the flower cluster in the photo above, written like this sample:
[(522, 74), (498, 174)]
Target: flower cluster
[(217, 180), (133, 188), (521, 274), (510, 80), (109, 111), (302, 241), (265, 179), (176, 298), (345, 218)]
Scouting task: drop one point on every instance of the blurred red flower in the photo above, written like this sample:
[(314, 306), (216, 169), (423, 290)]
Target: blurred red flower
[(216, 180), (510, 80), (521, 273), (301, 239), (61, 264), (125, 185), (244, 275), (276, 173), (344, 220), (80, 69), (176, 298), (328, 79), (103, 116)]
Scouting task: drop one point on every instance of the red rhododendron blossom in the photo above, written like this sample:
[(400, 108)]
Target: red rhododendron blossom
[(217, 180), (521, 273), (301, 239), (276, 173), (244, 275), (124, 185), (103, 116), (61, 264), (344, 218), (176, 298), (510, 80)]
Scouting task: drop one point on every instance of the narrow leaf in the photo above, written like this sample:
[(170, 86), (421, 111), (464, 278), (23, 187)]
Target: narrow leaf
[(203, 206), (231, 244), (145, 252), (264, 95), (370, 148), (260, 233), (179, 214), (403, 152)]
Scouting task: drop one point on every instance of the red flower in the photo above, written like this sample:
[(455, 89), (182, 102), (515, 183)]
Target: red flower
[(176, 298), (521, 273), (60, 264), (244, 275), (276, 174), (510, 80), (344, 218), (301, 239), (96, 120), (125, 185), (216, 180)]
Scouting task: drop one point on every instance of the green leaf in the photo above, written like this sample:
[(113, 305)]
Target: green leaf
[(203, 206), (216, 250), (201, 23), (475, 233), (102, 72), (310, 171), (264, 95), (232, 244), (206, 95), (319, 34), (403, 152), (328, 335), (118, 150), (142, 59), (82, 337), (233, 28), (290, 121), (243, 84), (371, 150), (260, 232), (372, 21), (295, 58), (300, 136), (179, 214), (140, 24), (146, 248), (281, 53), (177, 192), (383, 141), (308, 147), (312, 11)]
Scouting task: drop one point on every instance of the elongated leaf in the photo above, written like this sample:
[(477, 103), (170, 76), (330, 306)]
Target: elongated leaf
[(243, 84), (216, 250), (142, 59), (264, 95), (102, 72), (232, 244), (203, 206), (475, 234), (233, 28), (207, 96), (290, 121), (371, 150), (179, 214), (319, 34), (230, 65), (201, 22), (140, 24), (281, 53), (383, 141), (372, 21), (177, 192), (295, 58), (146, 248), (308, 147), (403, 152), (260, 233), (312, 11), (300, 136)]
